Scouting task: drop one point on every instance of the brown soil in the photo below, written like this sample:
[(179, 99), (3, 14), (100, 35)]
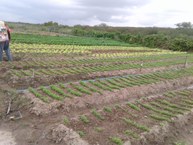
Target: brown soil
[(6, 138), (48, 130), (107, 98), (17, 65), (42, 124), (25, 82), (184, 135), (180, 131)]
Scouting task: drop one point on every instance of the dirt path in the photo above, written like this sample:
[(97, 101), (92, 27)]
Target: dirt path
[(6, 138), (181, 133), (186, 135), (31, 129), (188, 139)]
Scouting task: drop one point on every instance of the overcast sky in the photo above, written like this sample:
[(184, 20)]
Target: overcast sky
[(143, 13)]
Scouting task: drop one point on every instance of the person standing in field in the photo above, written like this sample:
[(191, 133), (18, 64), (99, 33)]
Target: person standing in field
[(5, 38)]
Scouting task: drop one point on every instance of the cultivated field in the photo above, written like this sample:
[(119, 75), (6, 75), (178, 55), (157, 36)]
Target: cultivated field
[(82, 91)]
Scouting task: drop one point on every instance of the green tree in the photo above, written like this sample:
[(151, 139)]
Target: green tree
[(185, 25)]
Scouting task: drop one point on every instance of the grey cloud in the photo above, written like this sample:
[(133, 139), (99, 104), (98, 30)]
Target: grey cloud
[(104, 10), (157, 18), (112, 4), (84, 11)]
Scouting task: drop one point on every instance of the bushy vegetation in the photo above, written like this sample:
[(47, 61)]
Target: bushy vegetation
[(178, 39), (65, 40)]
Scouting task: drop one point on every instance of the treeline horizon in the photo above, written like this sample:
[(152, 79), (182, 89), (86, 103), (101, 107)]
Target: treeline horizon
[(177, 39)]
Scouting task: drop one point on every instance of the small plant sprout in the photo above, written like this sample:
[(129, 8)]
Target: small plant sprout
[(66, 120), (108, 109), (116, 140), (133, 106), (84, 119), (98, 129), (97, 114), (132, 134), (81, 133)]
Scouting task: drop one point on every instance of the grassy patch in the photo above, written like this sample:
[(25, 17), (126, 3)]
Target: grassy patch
[(89, 87), (84, 119), (98, 129), (66, 121), (97, 114), (133, 106), (116, 140), (179, 143), (38, 95), (132, 134), (160, 118), (81, 133), (49, 93), (107, 109), (73, 92), (133, 123)]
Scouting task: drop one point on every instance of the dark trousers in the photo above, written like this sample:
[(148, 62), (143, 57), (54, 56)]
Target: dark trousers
[(4, 46)]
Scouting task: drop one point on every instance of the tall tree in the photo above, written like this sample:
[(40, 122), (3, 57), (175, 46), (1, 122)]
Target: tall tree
[(186, 25)]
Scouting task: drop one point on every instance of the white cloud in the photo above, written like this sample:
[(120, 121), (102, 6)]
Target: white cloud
[(163, 13)]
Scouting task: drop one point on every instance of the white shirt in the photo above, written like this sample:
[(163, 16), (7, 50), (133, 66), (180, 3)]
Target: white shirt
[(2, 24), (3, 32)]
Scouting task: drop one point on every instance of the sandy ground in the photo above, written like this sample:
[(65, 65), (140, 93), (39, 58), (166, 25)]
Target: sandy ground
[(186, 135), (6, 138), (31, 129)]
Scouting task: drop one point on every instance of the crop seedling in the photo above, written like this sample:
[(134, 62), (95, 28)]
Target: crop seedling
[(149, 107), (133, 106), (160, 118), (48, 92), (89, 87), (97, 114), (116, 140), (58, 90), (81, 133), (74, 92), (99, 85), (113, 82), (66, 120), (84, 119), (125, 110), (132, 134), (162, 124), (183, 93), (172, 105), (187, 101), (111, 86), (98, 129), (43, 98), (108, 109), (141, 127), (82, 90), (180, 143)]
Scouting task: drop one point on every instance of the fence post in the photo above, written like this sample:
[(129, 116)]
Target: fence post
[(33, 73), (141, 66), (186, 63)]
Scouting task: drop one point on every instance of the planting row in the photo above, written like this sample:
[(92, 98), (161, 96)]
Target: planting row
[(72, 70), (98, 51), (118, 123), (82, 88), (123, 54), (52, 63), (64, 40), (43, 48)]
